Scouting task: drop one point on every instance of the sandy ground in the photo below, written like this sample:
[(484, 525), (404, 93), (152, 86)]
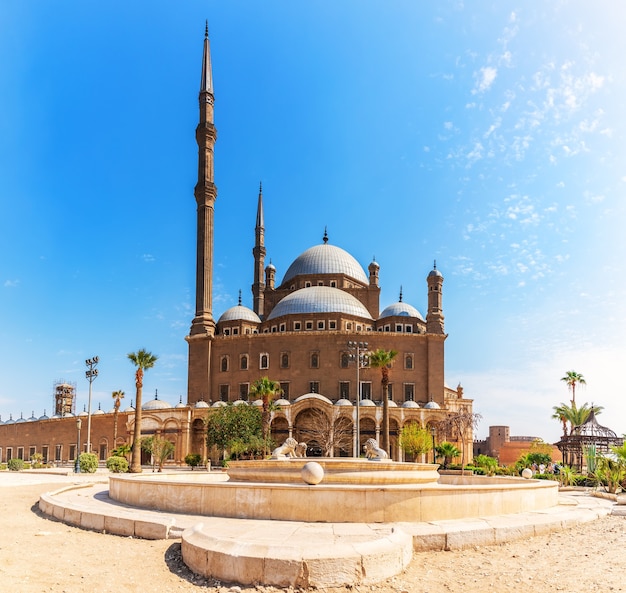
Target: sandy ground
[(42, 555)]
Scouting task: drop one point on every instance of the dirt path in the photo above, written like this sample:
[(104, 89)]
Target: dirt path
[(41, 555)]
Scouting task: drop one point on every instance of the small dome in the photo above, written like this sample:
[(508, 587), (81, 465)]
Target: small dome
[(401, 309), (10, 420), (343, 402), (319, 299), (316, 396), (217, 404), (270, 266), (432, 406), (410, 404), (392, 404), (32, 417), (180, 403), (282, 402), (325, 259), (100, 411), (44, 416), (83, 413), (70, 415), (367, 403), (156, 404), (20, 419), (128, 410), (239, 313), (240, 402), (258, 403), (202, 404)]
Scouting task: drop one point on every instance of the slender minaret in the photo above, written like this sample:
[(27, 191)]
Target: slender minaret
[(258, 288), (203, 324), (434, 316)]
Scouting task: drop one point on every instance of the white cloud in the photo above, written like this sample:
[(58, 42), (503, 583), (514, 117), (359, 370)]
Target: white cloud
[(485, 79), (11, 283)]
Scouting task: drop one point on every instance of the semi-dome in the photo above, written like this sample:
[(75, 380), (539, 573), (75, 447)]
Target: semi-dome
[(156, 404), (319, 299), (239, 313), (401, 309), (410, 404), (325, 259)]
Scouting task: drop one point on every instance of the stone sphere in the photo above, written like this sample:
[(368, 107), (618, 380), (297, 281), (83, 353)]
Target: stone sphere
[(527, 473), (312, 473)]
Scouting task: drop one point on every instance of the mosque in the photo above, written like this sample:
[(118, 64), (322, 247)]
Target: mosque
[(309, 329)]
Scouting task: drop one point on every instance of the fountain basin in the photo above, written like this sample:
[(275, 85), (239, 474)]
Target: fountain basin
[(452, 497), (336, 471)]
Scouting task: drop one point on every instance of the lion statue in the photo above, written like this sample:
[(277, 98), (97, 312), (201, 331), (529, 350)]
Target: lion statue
[(286, 450), (301, 450), (373, 451)]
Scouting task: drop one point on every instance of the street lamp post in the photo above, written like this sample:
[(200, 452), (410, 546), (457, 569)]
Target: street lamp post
[(91, 374), (432, 433), (358, 350), (77, 455)]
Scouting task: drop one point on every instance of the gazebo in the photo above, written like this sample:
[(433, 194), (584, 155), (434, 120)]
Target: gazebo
[(587, 437)]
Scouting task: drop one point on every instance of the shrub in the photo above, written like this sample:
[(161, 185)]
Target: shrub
[(117, 464), (193, 460), (15, 465), (88, 463)]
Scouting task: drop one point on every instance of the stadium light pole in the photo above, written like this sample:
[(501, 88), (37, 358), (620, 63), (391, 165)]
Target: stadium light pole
[(358, 350), (91, 374)]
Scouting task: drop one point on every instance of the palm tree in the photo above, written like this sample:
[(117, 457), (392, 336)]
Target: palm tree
[(382, 359), (118, 396), (143, 360), (574, 415), (265, 389), (572, 378), (448, 451)]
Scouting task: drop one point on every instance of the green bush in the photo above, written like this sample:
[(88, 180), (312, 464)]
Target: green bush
[(88, 463), (193, 460), (117, 464), (15, 465)]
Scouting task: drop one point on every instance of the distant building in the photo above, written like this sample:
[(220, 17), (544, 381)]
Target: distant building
[(508, 449)]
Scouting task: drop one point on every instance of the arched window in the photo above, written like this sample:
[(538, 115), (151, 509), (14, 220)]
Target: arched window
[(315, 360), (408, 361), (345, 360), (243, 362), (264, 361), (224, 364), (284, 360)]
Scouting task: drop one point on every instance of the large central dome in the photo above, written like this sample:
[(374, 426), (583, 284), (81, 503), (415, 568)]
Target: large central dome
[(319, 299), (325, 259)]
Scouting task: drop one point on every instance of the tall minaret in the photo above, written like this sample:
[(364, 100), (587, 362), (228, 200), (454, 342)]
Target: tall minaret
[(258, 288), (434, 316), (203, 324)]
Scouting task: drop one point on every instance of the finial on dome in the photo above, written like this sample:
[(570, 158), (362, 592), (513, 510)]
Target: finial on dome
[(239, 303), (325, 239), (206, 29), (400, 292), (260, 187), (434, 264), (156, 394)]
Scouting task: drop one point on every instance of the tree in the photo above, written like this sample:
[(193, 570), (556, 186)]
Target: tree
[(572, 378), (266, 390), (382, 359), (118, 396), (329, 432), (238, 429), (159, 448), (143, 360), (193, 460), (415, 440), (574, 415), (447, 451), (459, 424)]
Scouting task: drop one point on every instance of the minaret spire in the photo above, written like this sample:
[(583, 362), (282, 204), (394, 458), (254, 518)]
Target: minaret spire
[(258, 287), (205, 192)]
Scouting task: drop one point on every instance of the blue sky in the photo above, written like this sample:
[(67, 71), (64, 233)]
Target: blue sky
[(486, 135)]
